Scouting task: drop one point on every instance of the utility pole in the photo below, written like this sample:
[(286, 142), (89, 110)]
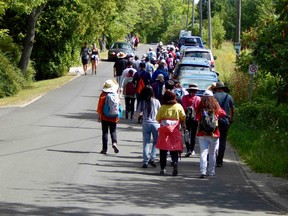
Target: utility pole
[(201, 18), (209, 25), (187, 14), (193, 8), (238, 29)]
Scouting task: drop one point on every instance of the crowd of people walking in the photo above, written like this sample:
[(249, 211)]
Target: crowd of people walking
[(168, 112)]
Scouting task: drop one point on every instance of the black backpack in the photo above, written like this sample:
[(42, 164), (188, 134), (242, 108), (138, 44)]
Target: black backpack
[(208, 122)]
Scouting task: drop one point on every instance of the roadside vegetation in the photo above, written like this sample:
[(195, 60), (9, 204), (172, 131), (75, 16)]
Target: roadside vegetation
[(260, 128), (41, 39)]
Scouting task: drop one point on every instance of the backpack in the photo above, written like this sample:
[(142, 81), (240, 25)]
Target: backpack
[(208, 122), (157, 88), (112, 107), (190, 112), (140, 85), (179, 93), (130, 88)]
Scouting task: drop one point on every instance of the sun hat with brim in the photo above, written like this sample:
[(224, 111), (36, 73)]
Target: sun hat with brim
[(192, 86), (221, 85), (208, 93), (110, 86), (160, 77), (121, 55)]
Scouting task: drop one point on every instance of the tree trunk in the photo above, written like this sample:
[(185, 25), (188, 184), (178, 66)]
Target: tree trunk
[(29, 39)]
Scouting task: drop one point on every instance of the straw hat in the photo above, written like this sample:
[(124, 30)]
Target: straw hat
[(192, 86), (110, 86), (160, 77), (121, 55)]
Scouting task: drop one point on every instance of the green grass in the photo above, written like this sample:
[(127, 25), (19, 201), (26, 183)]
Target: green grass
[(225, 62), (35, 90)]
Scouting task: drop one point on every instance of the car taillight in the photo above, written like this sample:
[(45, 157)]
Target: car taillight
[(212, 64)]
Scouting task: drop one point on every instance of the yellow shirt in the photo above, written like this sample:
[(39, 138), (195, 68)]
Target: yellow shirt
[(174, 111)]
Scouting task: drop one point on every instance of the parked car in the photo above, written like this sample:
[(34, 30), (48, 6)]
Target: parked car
[(189, 41), (200, 53), (120, 47), (203, 82), (191, 64)]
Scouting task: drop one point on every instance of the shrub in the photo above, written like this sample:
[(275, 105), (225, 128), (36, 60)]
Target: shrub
[(11, 80)]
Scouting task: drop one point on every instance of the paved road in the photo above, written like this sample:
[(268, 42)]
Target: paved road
[(50, 165)]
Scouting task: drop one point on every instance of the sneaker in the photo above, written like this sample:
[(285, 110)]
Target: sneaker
[(175, 170), (193, 153), (103, 152), (114, 146), (152, 163), (188, 154), (219, 165), (140, 119), (163, 172), (202, 176), (144, 166)]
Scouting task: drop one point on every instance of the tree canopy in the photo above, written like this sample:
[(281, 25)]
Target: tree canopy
[(34, 27)]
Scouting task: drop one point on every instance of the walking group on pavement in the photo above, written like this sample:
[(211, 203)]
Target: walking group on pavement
[(167, 112)]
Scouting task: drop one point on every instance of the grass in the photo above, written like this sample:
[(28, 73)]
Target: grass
[(35, 90), (225, 62)]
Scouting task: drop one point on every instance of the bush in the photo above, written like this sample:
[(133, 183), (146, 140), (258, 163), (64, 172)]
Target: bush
[(259, 132), (11, 80)]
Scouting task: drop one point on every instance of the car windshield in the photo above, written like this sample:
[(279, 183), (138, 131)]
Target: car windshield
[(193, 67), (198, 54), (120, 46), (202, 83)]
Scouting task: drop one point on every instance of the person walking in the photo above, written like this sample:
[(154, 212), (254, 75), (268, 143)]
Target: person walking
[(170, 116), (125, 72), (141, 79), (149, 106), (226, 102), (129, 91), (107, 123), (208, 132), (158, 86), (85, 56), (190, 103), (94, 58), (119, 66)]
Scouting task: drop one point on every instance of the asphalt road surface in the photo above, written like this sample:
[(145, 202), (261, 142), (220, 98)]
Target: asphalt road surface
[(50, 165)]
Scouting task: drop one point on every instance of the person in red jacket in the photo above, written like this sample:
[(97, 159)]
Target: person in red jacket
[(208, 141)]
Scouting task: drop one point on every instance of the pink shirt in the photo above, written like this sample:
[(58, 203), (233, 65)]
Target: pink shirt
[(188, 100)]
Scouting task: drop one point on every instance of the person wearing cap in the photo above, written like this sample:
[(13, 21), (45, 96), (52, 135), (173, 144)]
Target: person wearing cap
[(226, 102), (208, 142), (129, 94), (125, 72), (193, 101), (119, 66), (107, 123), (170, 116), (158, 86)]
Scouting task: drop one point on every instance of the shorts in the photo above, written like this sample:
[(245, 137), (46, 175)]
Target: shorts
[(85, 61)]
